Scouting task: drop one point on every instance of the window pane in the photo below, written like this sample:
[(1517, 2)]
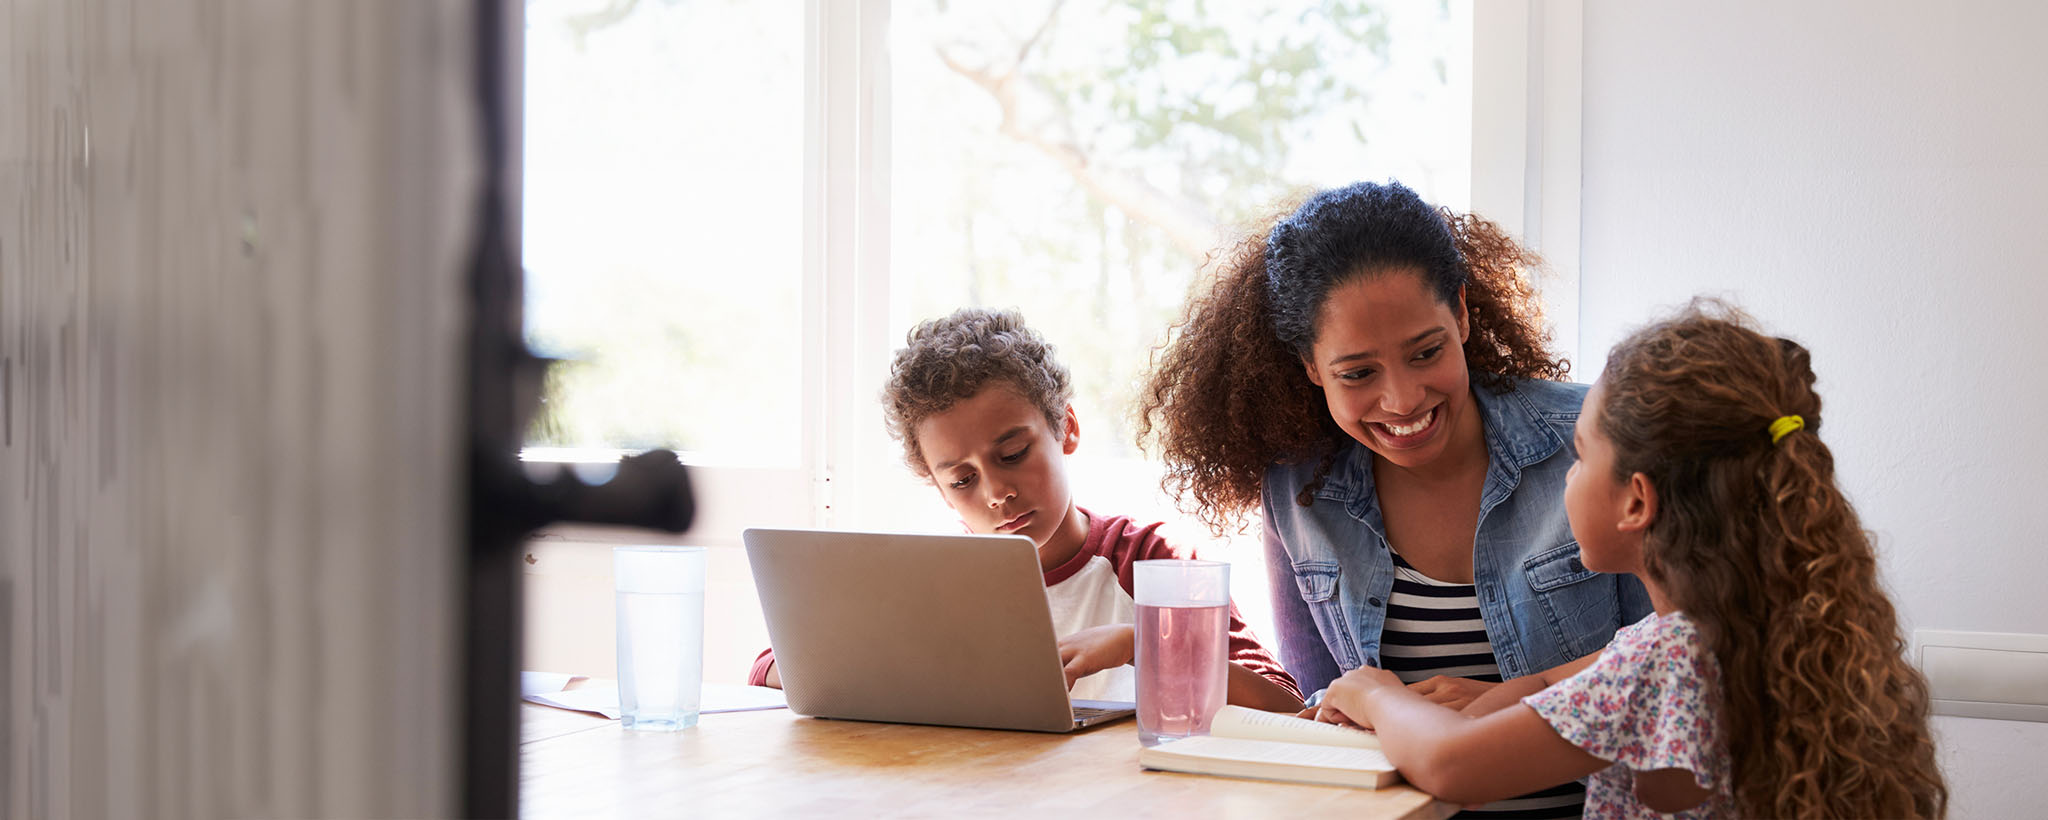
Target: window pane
[(1081, 160), (1086, 182), (663, 199)]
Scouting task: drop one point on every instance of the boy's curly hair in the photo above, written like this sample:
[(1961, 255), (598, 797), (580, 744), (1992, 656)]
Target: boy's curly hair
[(1822, 714), (1228, 396), (948, 360)]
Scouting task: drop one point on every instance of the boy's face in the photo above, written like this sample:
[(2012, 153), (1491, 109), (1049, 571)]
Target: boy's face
[(1000, 465)]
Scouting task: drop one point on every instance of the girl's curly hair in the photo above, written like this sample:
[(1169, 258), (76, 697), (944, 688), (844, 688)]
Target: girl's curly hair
[(1822, 714), (948, 360), (1228, 396)]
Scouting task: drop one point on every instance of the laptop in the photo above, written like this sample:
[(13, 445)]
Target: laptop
[(946, 630)]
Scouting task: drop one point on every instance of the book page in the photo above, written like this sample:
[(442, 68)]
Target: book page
[(1273, 752), (1252, 724)]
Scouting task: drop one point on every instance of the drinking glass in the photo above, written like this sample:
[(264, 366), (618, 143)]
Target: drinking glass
[(1183, 647), (660, 592)]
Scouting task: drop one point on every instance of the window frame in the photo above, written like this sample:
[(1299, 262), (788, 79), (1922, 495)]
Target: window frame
[(1526, 78), (1527, 87)]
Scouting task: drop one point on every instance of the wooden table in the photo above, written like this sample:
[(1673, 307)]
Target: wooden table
[(774, 763)]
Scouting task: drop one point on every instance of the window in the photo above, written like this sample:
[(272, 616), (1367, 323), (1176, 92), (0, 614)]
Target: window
[(664, 213), (736, 209), (1080, 160), (664, 241)]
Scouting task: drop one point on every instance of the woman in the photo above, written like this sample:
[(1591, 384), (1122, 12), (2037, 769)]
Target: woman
[(1372, 373)]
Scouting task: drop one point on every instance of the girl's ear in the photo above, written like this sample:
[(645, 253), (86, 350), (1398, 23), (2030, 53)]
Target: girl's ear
[(1312, 374), (1639, 508), (1072, 438)]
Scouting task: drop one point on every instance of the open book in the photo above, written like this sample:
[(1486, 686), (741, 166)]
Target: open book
[(1250, 743)]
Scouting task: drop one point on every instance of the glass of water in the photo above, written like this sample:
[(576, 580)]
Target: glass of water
[(660, 593), (1183, 647)]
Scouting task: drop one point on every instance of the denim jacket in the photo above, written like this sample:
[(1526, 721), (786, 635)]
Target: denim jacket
[(1331, 569)]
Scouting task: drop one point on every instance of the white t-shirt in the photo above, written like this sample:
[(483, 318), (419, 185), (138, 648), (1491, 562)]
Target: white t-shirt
[(1089, 598)]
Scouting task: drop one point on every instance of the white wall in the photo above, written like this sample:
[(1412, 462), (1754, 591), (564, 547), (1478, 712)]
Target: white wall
[(1870, 178)]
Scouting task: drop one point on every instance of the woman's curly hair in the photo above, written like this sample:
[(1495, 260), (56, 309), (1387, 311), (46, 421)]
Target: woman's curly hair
[(948, 360), (1822, 714), (1228, 396)]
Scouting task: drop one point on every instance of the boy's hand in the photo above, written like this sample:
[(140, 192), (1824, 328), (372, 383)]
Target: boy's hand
[(1456, 693), (1345, 702), (1092, 650)]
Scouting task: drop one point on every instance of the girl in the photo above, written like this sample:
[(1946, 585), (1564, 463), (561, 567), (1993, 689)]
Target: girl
[(1770, 681)]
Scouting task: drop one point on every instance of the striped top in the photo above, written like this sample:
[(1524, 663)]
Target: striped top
[(1434, 628)]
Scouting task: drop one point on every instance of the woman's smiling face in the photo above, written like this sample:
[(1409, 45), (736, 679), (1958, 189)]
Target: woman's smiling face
[(1390, 359)]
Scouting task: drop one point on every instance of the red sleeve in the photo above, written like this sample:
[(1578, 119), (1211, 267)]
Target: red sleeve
[(1246, 651), (759, 675), (1124, 543)]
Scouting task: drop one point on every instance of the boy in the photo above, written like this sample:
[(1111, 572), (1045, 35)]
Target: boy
[(981, 408)]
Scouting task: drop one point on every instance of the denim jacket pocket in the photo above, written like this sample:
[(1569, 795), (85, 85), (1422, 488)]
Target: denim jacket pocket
[(1556, 568), (1316, 579), (1580, 613)]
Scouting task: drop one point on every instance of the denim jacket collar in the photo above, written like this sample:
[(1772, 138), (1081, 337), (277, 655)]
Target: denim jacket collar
[(1541, 606), (1516, 437)]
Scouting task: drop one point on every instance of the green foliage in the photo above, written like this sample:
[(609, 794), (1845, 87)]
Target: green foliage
[(1205, 101), (1216, 88), (1210, 104)]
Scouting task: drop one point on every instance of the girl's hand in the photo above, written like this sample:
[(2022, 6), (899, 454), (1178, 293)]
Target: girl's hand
[(1345, 702), (1365, 677), (1456, 693), (1092, 650)]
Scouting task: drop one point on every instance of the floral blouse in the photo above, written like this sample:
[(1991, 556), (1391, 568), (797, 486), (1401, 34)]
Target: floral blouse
[(1648, 703)]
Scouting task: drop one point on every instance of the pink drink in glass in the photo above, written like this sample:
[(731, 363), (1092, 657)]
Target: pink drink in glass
[(1182, 679)]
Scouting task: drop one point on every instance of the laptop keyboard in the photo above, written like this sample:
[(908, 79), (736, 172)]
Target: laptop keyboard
[(1086, 712)]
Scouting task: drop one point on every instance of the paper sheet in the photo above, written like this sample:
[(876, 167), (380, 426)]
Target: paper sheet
[(546, 688), (535, 683), (603, 700)]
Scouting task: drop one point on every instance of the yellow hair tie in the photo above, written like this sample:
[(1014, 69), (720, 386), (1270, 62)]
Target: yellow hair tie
[(1784, 427)]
